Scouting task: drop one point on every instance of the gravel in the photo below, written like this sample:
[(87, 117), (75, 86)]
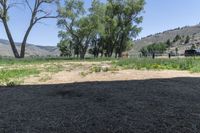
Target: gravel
[(135, 106)]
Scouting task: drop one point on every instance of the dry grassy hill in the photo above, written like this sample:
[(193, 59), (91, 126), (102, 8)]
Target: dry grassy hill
[(192, 31), (31, 49)]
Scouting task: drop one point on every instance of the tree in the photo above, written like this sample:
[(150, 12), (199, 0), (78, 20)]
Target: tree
[(154, 48), (193, 47), (177, 37), (187, 39), (69, 15), (104, 28), (38, 13), (97, 12), (144, 51), (77, 28), (125, 15), (65, 48), (168, 43), (176, 51)]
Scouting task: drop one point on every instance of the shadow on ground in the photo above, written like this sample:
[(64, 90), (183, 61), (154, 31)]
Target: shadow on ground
[(144, 106)]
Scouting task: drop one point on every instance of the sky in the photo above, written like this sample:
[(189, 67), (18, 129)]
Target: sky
[(159, 15)]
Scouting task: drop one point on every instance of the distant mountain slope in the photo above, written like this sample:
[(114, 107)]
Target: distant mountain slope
[(31, 50), (192, 31)]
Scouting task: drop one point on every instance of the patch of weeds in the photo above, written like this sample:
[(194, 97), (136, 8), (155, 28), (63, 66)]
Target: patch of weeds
[(74, 66), (45, 78), (190, 64), (12, 83), (54, 68), (84, 74), (96, 69), (105, 69), (10, 77), (113, 69)]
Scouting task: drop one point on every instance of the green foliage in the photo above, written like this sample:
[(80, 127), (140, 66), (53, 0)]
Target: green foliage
[(168, 43), (79, 27), (187, 39), (154, 48), (10, 77), (65, 48), (176, 50), (178, 37), (193, 47), (105, 29), (12, 84), (96, 69), (190, 64), (121, 22)]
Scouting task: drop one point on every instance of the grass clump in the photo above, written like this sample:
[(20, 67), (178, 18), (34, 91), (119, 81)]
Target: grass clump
[(12, 83), (84, 74), (45, 78), (54, 68), (13, 77), (96, 69)]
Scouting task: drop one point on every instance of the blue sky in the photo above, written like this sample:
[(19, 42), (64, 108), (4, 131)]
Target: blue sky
[(159, 15)]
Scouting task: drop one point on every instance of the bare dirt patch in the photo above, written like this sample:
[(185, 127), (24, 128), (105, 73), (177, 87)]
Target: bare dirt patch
[(122, 75)]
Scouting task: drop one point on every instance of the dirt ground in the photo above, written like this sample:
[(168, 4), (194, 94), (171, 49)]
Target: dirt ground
[(74, 74), (126, 101)]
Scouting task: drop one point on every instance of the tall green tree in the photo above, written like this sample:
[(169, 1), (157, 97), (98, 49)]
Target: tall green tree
[(97, 13), (187, 40), (69, 16), (127, 18), (106, 28), (111, 29), (77, 27)]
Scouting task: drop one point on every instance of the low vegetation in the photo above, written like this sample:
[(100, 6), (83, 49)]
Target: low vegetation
[(14, 72), (12, 77), (189, 64), (154, 48)]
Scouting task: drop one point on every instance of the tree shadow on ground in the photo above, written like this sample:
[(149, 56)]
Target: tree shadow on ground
[(137, 106)]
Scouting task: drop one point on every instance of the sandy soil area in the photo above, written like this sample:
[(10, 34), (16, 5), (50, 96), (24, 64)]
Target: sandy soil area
[(122, 75)]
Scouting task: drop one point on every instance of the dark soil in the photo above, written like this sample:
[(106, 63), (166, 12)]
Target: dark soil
[(145, 106)]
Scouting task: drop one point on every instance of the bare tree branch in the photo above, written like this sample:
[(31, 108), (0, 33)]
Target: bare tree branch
[(29, 6), (37, 14)]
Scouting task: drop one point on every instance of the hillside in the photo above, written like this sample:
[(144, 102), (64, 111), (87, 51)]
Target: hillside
[(192, 31), (31, 49)]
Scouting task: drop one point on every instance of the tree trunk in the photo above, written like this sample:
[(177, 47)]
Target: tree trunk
[(83, 52), (12, 43), (121, 45), (82, 56), (23, 46)]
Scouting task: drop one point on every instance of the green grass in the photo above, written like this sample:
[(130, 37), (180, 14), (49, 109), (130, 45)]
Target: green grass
[(190, 64), (13, 76), (25, 61), (38, 60)]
